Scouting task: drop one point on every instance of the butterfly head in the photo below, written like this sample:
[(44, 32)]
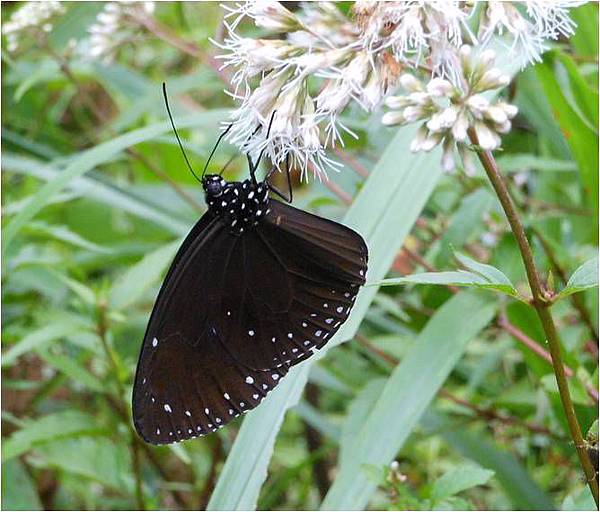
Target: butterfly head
[(213, 185)]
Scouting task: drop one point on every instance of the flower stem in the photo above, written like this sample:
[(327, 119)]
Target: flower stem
[(542, 308)]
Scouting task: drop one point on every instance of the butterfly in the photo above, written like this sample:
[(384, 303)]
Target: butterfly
[(256, 287)]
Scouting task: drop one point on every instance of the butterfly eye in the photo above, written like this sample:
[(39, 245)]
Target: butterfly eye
[(213, 188)]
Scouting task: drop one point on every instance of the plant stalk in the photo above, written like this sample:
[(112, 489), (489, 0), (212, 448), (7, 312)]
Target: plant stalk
[(542, 308)]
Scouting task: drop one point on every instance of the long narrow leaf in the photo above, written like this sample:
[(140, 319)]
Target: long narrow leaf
[(90, 159), (406, 395)]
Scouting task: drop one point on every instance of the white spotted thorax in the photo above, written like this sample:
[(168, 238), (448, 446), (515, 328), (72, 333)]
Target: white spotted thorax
[(241, 205)]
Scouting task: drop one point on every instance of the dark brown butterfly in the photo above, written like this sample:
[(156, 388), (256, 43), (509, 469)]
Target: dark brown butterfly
[(255, 288)]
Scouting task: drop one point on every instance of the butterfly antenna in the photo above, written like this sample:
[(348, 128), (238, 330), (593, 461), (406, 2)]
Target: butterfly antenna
[(164, 88), (215, 148)]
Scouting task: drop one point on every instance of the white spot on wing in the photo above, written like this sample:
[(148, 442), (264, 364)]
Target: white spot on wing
[(154, 342), (168, 408), (249, 380)]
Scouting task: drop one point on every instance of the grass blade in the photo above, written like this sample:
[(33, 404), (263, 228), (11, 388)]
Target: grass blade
[(406, 395), (521, 490), (92, 158)]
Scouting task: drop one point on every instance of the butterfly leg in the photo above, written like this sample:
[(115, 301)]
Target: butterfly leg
[(289, 180)]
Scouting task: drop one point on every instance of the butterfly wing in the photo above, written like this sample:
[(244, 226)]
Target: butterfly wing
[(235, 312), (301, 276)]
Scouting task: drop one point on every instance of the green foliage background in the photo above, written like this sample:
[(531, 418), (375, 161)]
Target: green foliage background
[(92, 186)]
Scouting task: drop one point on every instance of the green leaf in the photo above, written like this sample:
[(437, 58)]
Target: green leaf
[(131, 286), (581, 499), (582, 140), (585, 39), (48, 428), (525, 162), (74, 370), (459, 479), (391, 192), (406, 395), (464, 223), (95, 188), (40, 338), (92, 158), (64, 234), (586, 276), (481, 276), (96, 458), (358, 412), (489, 272), (581, 97), (82, 291), (18, 489), (449, 278), (522, 491)]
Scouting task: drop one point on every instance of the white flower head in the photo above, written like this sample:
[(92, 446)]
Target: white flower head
[(447, 111), (31, 20), (116, 24)]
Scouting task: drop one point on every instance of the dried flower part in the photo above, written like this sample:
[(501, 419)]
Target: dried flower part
[(114, 26), (32, 20), (447, 111)]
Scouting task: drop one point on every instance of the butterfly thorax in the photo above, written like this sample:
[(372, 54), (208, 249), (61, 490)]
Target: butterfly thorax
[(241, 205)]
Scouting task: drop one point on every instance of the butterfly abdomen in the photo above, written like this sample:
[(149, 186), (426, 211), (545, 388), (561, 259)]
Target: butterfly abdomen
[(239, 205)]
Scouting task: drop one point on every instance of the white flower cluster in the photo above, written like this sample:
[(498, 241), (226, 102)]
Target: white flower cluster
[(27, 21), (447, 111), (318, 59), (282, 76), (113, 27), (529, 24)]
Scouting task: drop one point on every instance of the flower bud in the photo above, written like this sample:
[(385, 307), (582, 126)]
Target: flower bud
[(393, 118), (396, 101), (487, 138), (466, 157), (413, 113), (419, 98), (504, 127), (496, 114), (486, 59), (274, 16), (440, 87), (477, 104), (459, 130), (510, 110), (421, 135), (410, 83), (432, 140), (492, 79), (465, 59), (448, 162)]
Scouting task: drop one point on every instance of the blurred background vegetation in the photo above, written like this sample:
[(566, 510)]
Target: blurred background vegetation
[(96, 198)]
